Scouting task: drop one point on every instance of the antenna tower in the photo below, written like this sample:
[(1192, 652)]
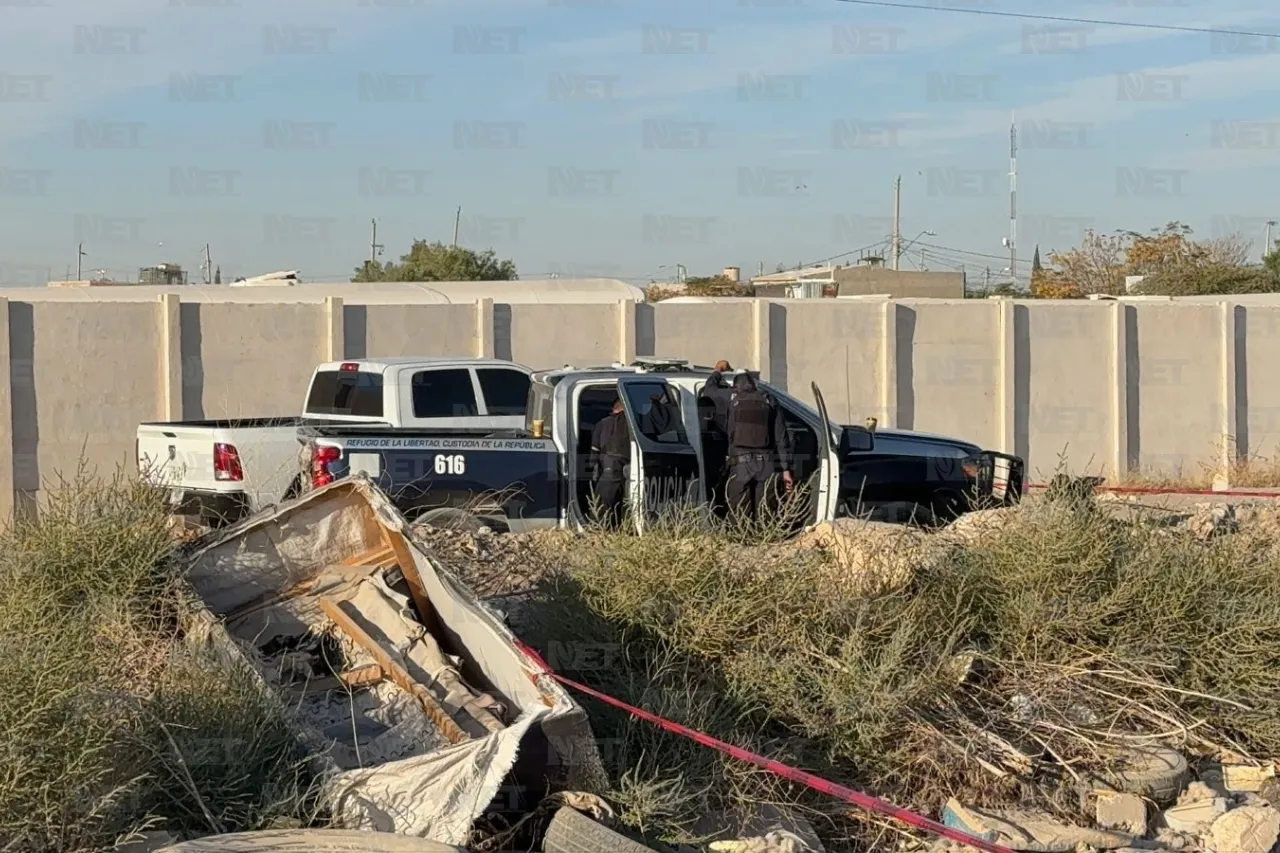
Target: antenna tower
[(1013, 199)]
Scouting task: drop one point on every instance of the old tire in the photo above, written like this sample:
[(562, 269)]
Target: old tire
[(570, 831), (1156, 772), (450, 518)]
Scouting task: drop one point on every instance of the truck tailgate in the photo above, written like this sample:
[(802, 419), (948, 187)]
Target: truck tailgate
[(173, 455)]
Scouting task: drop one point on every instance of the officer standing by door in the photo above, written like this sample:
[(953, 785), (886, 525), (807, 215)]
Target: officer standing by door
[(715, 440), (611, 447), (759, 447)]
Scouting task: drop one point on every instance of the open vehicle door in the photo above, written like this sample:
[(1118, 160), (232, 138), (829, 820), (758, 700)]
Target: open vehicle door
[(664, 463), (827, 500)]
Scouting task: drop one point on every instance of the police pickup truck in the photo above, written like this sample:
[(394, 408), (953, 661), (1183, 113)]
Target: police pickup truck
[(539, 476)]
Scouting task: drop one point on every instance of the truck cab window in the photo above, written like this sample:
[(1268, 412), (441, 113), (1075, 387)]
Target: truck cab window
[(349, 393), (506, 392), (443, 394), (657, 409)]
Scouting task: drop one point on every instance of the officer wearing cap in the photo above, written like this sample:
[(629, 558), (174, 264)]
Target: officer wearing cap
[(715, 440), (759, 447), (611, 449)]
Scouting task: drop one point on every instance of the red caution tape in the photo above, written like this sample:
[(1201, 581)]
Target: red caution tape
[(1152, 490), (817, 783)]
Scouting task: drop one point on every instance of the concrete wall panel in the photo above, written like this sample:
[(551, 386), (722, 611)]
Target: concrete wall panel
[(1176, 352), (83, 377), (1063, 375), (546, 336), (839, 346), (252, 361), (703, 334), (409, 330), (953, 351)]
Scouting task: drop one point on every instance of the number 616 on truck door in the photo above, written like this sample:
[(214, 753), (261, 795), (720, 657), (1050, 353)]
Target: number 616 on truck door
[(454, 464)]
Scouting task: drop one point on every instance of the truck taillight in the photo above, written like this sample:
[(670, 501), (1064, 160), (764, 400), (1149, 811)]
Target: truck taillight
[(226, 463), (321, 458)]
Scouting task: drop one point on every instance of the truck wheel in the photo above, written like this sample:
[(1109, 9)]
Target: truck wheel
[(570, 831), (450, 518)]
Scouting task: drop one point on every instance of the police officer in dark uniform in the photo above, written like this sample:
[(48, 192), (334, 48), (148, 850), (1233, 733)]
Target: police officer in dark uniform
[(611, 449), (715, 440), (759, 447), (718, 392)]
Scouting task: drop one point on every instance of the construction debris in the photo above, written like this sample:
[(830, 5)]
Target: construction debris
[(1124, 812), (413, 695), (1018, 829), (1251, 829)]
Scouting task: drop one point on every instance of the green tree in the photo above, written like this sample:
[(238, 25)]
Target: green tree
[(437, 262)]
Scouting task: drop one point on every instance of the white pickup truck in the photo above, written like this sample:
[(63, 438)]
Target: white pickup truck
[(222, 470)]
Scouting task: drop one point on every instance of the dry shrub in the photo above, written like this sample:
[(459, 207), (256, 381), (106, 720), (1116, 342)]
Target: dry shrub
[(1024, 658), (111, 724)]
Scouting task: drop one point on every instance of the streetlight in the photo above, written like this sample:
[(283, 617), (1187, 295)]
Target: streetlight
[(926, 233)]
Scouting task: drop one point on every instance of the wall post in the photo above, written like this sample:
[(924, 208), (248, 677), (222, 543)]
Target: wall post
[(171, 372)]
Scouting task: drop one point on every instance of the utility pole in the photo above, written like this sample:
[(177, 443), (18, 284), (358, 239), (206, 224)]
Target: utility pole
[(374, 245), (986, 279), (897, 221), (80, 253), (923, 268), (1013, 198), (208, 266), (457, 220), (1266, 246)]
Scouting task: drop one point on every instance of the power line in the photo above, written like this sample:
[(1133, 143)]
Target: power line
[(975, 254), (1062, 18)]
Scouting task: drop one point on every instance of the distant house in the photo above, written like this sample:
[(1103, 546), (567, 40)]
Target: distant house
[(860, 280)]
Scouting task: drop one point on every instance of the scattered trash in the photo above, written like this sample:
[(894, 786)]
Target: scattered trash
[(1238, 778), (1195, 816), (312, 841), (773, 842), (1018, 829), (414, 697), (1251, 829), (1125, 812)]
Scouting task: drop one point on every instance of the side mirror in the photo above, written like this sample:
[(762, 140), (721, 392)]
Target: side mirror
[(856, 439)]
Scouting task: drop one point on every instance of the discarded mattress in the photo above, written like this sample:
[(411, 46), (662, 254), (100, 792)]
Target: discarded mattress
[(412, 695)]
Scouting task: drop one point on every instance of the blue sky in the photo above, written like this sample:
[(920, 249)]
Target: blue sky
[(616, 137)]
